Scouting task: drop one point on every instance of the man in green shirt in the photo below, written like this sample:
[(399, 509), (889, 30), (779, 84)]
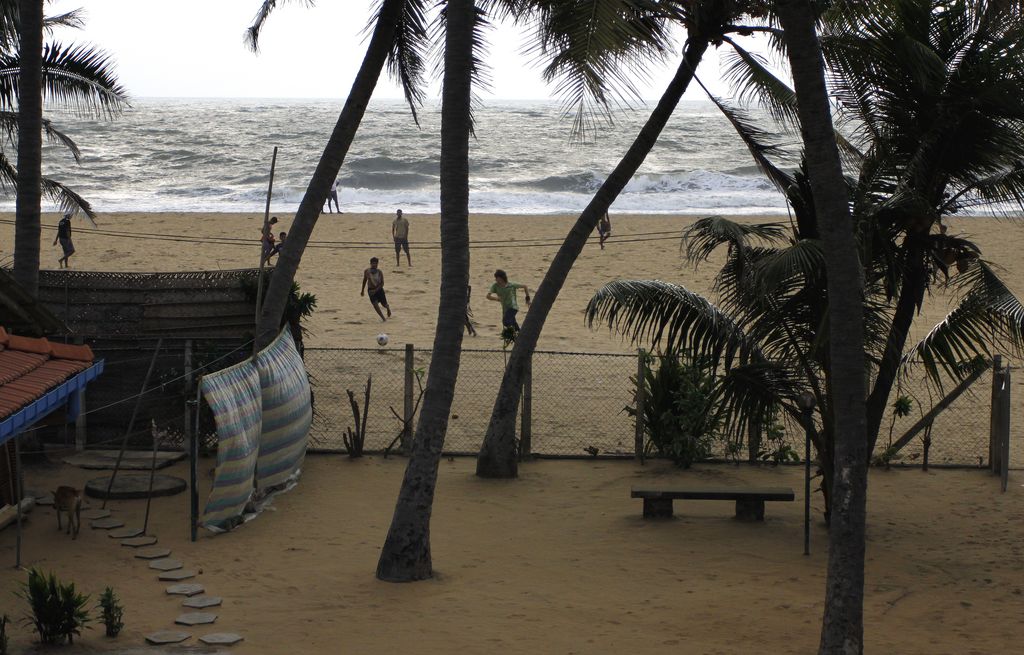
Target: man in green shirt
[(504, 292), (400, 233)]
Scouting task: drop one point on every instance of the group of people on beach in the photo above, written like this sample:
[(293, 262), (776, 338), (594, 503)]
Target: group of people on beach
[(502, 291), (271, 245)]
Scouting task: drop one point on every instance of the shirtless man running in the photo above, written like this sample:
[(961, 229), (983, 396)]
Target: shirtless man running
[(373, 280)]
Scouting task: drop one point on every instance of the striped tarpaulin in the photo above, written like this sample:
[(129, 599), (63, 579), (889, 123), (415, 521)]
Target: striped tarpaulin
[(234, 396), (287, 413)]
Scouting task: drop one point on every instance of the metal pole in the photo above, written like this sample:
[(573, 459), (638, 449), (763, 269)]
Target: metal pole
[(131, 422), (152, 476), (641, 398), (808, 426), (17, 500), (193, 469), (526, 429), (407, 400), (259, 278)]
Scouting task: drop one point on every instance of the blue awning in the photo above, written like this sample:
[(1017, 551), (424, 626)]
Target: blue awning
[(53, 399)]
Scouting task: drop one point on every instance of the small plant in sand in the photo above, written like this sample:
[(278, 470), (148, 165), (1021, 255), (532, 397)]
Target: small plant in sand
[(58, 611), (354, 439), (112, 612)]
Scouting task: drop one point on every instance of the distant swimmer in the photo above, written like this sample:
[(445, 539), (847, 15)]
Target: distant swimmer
[(333, 195), (64, 236), (373, 281), (267, 240), (604, 228), (504, 292), (400, 233)]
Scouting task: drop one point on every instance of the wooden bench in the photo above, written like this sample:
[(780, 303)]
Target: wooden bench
[(749, 502)]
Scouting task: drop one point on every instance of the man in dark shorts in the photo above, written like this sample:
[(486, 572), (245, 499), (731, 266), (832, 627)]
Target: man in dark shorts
[(504, 292), (267, 239), (400, 233), (373, 281), (604, 228), (332, 195), (64, 236)]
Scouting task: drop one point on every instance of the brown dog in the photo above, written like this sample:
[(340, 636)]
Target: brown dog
[(69, 499)]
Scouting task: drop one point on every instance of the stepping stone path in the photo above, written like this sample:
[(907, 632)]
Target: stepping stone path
[(124, 533), (221, 639), (155, 552), (167, 637), (188, 589), (181, 574), (196, 618), (107, 524), (165, 564), (138, 542), (134, 486), (44, 499), (90, 513), (201, 602)]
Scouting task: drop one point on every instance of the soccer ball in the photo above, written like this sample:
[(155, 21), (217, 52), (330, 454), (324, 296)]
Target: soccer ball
[(382, 339)]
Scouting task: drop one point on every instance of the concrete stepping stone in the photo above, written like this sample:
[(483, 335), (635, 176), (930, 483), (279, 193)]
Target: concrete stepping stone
[(196, 618), (92, 514), (221, 639), (134, 486), (154, 553), (176, 576), (187, 589), (167, 637), (165, 564), (202, 602), (42, 498), (138, 542), (107, 524), (125, 533)]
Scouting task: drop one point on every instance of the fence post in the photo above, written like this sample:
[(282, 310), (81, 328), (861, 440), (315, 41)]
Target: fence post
[(641, 399), (1004, 436), (526, 431), (407, 414), (188, 388), (995, 414)]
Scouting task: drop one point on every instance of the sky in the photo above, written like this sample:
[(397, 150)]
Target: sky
[(194, 48)]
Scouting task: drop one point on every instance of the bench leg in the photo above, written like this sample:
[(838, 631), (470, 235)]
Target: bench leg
[(750, 510), (657, 508)]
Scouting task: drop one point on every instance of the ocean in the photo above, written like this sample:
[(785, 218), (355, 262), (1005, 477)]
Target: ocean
[(212, 155)]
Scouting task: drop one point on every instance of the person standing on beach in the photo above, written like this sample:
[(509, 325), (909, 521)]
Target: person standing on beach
[(504, 292), (373, 281), (267, 239), (604, 229), (64, 236), (400, 233), (333, 195)]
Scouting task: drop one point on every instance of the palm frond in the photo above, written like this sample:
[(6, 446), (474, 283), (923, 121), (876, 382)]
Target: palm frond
[(252, 33), (803, 261), (751, 391), (707, 234), (409, 52), (749, 75), (65, 199), (665, 314), (74, 19), (9, 128), (76, 77)]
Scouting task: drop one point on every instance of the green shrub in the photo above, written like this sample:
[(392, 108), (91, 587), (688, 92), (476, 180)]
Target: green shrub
[(774, 448), (58, 612), (113, 612), (680, 419)]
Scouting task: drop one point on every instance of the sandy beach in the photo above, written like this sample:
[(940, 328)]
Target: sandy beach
[(559, 561)]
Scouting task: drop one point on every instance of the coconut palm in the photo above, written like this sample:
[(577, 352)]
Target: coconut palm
[(773, 295), (79, 78), (707, 23)]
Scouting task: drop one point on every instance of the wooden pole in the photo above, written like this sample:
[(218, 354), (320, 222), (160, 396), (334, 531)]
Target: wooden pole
[(131, 422), (993, 429), (409, 409), (266, 224), (1004, 450), (193, 469), (187, 365), (526, 429), (641, 399)]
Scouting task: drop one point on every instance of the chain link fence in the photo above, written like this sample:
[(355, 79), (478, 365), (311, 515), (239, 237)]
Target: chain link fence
[(579, 402)]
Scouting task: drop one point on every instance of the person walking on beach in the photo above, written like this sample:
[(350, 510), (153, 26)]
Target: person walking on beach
[(267, 239), (64, 236), (400, 233), (504, 292), (373, 281), (333, 195), (604, 229)]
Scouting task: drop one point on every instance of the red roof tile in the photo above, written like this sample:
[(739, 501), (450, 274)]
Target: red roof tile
[(31, 367)]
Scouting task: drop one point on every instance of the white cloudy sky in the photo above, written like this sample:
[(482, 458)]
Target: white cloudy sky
[(193, 48)]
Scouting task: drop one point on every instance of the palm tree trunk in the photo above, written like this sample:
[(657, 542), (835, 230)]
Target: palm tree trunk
[(497, 458), (843, 623), (327, 170), (30, 147), (406, 553)]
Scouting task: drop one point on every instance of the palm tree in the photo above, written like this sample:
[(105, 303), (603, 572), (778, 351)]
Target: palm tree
[(78, 77), (406, 556), (707, 22), (398, 39)]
